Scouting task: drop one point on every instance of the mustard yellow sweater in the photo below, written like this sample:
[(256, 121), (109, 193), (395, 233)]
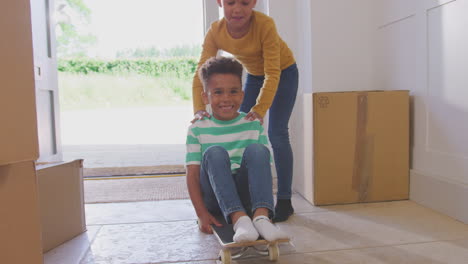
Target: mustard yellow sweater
[(261, 51)]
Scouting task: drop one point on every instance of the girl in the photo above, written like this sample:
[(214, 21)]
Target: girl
[(271, 82)]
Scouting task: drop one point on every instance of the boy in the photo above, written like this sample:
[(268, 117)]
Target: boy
[(228, 161), (271, 82)]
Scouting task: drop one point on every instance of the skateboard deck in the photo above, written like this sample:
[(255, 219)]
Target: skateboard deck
[(225, 236)]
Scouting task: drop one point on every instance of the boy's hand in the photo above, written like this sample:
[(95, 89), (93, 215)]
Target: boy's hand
[(251, 116), (205, 222), (199, 115)]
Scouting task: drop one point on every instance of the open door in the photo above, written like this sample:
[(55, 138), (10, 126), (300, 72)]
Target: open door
[(45, 68)]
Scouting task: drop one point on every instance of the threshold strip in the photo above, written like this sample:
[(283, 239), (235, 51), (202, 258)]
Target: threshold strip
[(123, 177)]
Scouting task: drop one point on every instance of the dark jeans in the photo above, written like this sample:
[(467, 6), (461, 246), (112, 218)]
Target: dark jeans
[(248, 189), (278, 129)]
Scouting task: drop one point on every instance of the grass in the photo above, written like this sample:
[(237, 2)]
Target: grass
[(91, 91)]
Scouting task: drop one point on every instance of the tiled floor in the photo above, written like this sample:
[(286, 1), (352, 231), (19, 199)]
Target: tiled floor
[(166, 232)]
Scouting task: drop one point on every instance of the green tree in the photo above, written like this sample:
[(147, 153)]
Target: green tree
[(186, 50), (73, 16)]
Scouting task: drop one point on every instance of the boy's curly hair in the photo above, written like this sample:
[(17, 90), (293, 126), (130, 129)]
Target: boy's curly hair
[(219, 65)]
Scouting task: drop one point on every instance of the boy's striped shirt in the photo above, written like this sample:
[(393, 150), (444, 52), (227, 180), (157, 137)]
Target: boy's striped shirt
[(234, 135)]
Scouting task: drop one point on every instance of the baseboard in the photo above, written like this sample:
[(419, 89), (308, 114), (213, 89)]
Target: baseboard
[(440, 195)]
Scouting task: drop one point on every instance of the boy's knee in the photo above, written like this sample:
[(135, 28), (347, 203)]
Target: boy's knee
[(216, 152), (257, 149)]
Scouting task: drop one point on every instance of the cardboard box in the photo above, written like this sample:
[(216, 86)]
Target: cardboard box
[(361, 146), (18, 133), (20, 230), (61, 202)]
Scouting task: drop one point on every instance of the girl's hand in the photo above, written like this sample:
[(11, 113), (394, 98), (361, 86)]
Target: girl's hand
[(199, 115), (251, 116), (205, 222)]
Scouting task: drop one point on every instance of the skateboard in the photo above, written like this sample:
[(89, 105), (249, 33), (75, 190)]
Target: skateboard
[(225, 236)]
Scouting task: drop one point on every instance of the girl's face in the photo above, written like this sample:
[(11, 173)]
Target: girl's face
[(237, 13)]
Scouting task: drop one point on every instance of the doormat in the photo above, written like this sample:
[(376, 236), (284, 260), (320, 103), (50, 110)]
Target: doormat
[(138, 188), (132, 189), (139, 170)]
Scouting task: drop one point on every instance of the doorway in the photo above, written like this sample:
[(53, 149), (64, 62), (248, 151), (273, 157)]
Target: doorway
[(124, 75)]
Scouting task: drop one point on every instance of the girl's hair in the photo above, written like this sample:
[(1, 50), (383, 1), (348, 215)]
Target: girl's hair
[(219, 65)]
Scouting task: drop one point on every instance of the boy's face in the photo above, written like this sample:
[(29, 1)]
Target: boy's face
[(237, 12), (224, 93)]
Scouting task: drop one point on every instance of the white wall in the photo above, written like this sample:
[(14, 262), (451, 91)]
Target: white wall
[(332, 35), (331, 40), (292, 20), (341, 45), (422, 46), (418, 45)]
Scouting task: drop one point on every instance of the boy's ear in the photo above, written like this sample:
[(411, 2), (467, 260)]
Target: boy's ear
[(220, 3), (205, 98)]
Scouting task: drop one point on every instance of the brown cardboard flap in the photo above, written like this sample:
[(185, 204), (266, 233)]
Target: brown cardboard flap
[(334, 135), (61, 202), (44, 165)]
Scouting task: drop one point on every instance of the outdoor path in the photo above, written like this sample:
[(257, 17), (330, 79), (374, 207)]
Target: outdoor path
[(126, 137)]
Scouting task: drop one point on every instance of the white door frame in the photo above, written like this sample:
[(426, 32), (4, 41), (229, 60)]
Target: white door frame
[(46, 82)]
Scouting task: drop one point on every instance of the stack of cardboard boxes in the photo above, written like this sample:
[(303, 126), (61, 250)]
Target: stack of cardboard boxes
[(20, 226), (40, 208)]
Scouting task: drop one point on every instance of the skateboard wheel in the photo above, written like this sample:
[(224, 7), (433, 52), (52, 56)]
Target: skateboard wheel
[(225, 256), (273, 252)]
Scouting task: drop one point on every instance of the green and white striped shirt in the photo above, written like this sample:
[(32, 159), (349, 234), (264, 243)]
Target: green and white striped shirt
[(233, 135)]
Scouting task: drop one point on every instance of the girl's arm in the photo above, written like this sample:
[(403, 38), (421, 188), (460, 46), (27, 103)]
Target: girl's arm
[(271, 56)]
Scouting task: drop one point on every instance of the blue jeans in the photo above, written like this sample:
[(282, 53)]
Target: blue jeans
[(278, 129), (246, 190)]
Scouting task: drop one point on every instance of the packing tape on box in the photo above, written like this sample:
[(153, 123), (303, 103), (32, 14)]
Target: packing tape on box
[(363, 151)]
